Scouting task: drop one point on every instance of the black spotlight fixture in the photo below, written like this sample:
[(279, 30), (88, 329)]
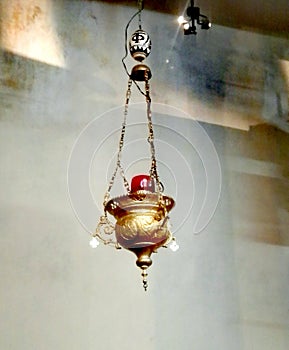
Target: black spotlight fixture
[(194, 17)]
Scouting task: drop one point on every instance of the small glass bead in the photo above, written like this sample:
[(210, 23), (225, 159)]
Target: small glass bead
[(94, 243), (174, 246)]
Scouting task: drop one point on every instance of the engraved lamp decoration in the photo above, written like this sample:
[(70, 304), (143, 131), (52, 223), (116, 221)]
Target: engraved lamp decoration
[(141, 214)]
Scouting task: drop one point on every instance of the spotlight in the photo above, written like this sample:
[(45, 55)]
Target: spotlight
[(181, 20), (186, 26), (188, 29), (205, 23), (195, 17)]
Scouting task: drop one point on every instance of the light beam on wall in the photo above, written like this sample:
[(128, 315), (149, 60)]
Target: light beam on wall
[(28, 29)]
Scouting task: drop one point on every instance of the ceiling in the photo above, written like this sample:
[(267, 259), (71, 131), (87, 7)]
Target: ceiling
[(270, 16)]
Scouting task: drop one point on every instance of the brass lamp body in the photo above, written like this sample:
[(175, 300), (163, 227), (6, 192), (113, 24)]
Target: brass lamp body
[(141, 224)]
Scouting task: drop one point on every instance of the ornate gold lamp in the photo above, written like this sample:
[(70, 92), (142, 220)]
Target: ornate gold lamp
[(141, 214)]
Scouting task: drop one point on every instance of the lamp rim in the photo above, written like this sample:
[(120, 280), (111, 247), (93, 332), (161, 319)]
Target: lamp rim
[(139, 201)]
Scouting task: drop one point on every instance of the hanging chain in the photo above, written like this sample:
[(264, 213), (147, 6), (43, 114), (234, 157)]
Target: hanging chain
[(105, 228), (120, 147), (153, 169), (140, 8)]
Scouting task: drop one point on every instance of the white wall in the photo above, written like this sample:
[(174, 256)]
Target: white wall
[(227, 287)]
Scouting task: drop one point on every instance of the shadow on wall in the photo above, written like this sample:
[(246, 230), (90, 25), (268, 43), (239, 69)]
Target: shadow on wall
[(165, 6), (27, 84), (236, 70), (17, 73), (271, 19), (258, 163)]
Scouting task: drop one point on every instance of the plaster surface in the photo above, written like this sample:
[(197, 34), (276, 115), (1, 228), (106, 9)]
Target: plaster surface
[(227, 287)]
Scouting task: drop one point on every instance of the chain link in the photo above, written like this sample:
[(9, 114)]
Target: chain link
[(120, 147), (140, 8), (153, 169)]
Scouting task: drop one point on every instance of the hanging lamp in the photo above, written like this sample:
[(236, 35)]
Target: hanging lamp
[(142, 213)]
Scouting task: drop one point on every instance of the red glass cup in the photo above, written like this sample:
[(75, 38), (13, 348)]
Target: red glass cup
[(142, 183)]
